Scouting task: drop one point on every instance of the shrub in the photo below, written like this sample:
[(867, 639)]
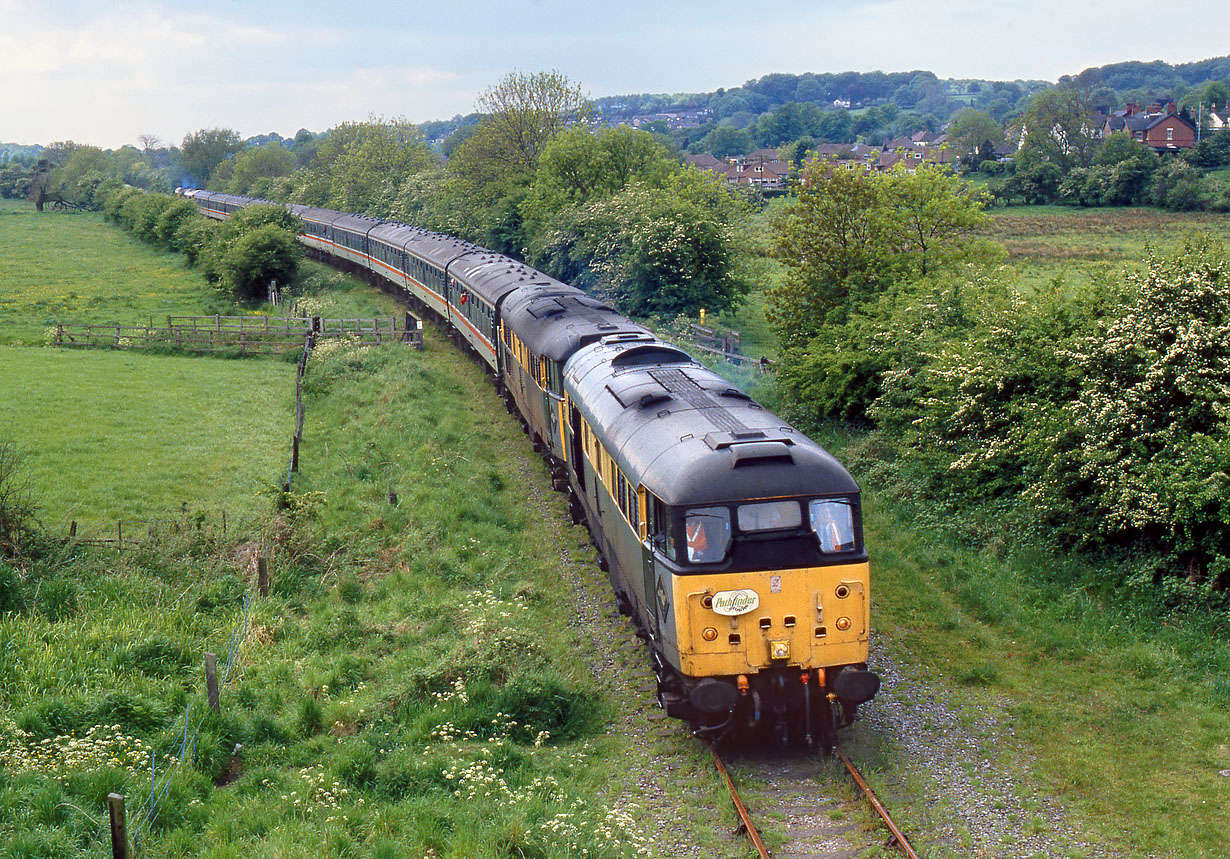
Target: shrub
[(1146, 453)]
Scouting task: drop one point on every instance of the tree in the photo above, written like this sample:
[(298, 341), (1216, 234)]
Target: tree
[(259, 257), (202, 151), (36, 190), (257, 163), (366, 162), (521, 114), (579, 165), (1145, 454), (149, 142), (1058, 129), (1212, 151), (662, 251), (725, 140), (834, 243), (970, 129), (937, 217), (17, 508)]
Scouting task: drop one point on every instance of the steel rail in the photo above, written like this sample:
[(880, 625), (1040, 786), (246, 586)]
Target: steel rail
[(898, 836), (744, 818)]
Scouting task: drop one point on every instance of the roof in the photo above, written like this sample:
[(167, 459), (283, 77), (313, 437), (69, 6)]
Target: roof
[(687, 434)]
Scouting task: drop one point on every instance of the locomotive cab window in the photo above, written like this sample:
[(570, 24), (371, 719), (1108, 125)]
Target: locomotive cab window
[(707, 531), (832, 520), (769, 516)]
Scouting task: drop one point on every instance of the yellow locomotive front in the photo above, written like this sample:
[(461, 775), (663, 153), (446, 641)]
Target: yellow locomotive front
[(774, 648), (732, 539)]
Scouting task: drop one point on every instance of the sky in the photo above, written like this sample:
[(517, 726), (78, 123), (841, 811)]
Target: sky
[(104, 72)]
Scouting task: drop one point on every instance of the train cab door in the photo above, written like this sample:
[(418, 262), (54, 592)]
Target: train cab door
[(648, 515)]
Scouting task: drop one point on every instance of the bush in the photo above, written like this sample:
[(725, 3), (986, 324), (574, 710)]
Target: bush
[(1143, 461), (266, 254)]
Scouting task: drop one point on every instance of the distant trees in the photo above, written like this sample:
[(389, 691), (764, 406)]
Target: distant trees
[(1057, 130), (202, 151), (520, 115), (970, 130), (654, 250), (254, 169)]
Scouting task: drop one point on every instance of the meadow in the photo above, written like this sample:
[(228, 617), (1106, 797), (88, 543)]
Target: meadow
[(72, 267), (1070, 244), (111, 435)]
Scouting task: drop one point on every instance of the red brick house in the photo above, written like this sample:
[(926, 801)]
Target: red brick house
[(1164, 130)]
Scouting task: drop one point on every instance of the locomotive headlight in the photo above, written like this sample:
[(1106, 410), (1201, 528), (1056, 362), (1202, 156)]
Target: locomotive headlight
[(843, 623), (779, 649), (709, 634)]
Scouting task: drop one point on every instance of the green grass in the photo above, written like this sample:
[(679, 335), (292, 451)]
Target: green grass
[(397, 694), (123, 435), (73, 267), (1049, 242), (1123, 711)]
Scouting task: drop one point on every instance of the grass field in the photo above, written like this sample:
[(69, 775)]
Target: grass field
[(1049, 242), (121, 435), (73, 267)]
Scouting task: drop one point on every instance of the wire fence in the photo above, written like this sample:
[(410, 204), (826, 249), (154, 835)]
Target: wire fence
[(132, 533), (141, 821)]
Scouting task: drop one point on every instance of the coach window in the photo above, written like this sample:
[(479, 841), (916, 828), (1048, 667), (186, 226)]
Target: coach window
[(833, 522), (555, 376), (707, 531)]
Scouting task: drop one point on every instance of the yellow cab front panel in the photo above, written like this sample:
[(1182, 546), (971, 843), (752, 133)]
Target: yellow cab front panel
[(741, 623)]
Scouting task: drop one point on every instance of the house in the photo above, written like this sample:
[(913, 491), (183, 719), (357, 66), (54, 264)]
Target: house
[(1219, 119), (765, 175), (705, 161), (760, 169), (1158, 126)]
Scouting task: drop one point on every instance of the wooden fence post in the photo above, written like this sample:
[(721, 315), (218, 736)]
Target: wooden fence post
[(262, 575), (211, 680), (119, 826)]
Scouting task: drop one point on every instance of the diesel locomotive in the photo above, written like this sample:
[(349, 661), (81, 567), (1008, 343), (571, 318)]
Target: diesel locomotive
[(733, 541)]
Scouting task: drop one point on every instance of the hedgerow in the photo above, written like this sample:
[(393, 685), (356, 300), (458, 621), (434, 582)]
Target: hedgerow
[(1099, 418)]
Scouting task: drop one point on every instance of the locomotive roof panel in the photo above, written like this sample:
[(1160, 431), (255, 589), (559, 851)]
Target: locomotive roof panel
[(554, 319), (687, 434)]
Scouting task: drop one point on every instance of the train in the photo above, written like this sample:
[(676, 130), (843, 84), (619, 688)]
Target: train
[(732, 540)]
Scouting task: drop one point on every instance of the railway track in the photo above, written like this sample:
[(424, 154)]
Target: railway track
[(811, 827)]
